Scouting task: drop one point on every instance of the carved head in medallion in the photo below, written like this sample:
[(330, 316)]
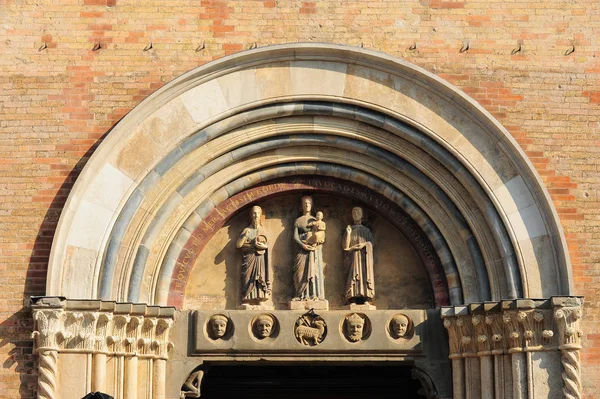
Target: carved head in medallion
[(263, 326), (354, 327), (400, 326), (217, 326)]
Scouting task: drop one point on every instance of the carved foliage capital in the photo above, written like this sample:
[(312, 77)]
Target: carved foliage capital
[(101, 331), (569, 331), (521, 325)]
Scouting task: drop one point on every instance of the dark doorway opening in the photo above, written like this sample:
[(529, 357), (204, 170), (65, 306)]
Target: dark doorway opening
[(313, 381)]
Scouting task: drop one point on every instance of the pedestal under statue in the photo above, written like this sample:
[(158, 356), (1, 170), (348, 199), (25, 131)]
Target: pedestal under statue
[(358, 261), (256, 264)]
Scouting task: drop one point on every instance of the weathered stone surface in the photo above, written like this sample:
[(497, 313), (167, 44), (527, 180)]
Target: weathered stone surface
[(214, 278)]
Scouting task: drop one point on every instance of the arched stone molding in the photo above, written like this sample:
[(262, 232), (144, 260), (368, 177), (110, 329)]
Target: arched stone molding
[(149, 149)]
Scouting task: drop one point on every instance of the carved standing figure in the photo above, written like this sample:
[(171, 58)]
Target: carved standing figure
[(358, 260), (308, 262), (256, 265)]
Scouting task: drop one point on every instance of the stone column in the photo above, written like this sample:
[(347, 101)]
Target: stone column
[(160, 378), (100, 353), (116, 342), (495, 329), (567, 314), (131, 380), (484, 352), (161, 347), (468, 349), (86, 330), (458, 367), (514, 340), (132, 333), (501, 342), (47, 316)]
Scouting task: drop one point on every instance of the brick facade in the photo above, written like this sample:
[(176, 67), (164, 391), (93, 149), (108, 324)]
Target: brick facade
[(59, 98)]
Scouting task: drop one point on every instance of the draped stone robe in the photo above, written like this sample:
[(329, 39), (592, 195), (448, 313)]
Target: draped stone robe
[(308, 265), (256, 267), (360, 285)]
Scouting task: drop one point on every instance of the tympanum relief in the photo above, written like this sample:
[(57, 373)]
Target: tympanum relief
[(324, 256)]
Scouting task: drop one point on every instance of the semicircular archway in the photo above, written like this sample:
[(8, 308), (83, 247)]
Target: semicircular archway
[(420, 141)]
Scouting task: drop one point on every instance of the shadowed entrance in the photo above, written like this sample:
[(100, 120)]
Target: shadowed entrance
[(314, 381)]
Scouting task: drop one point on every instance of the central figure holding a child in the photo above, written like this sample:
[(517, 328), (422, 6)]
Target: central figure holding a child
[(309, 236)]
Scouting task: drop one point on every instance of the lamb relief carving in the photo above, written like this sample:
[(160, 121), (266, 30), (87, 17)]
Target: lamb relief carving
[(310, 329)]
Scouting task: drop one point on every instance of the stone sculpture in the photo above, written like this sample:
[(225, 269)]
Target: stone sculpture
[(400, 326), (193, 384), (310, 329), (256, 265), (354, 327), (308, 262), (358, 260), (316, 235), (217, 326), (263, 326)]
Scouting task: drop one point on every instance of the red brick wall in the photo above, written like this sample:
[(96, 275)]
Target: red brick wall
[(57, 103)]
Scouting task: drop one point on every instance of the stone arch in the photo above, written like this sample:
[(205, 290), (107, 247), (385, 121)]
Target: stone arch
[(261, 114)]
